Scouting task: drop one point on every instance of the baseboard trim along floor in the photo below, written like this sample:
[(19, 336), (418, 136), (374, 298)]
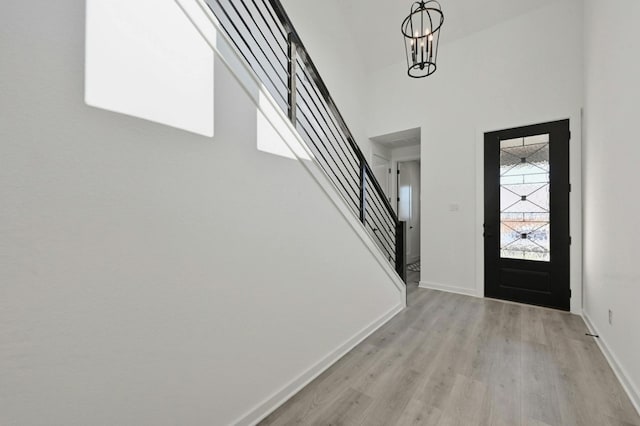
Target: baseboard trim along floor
[(266, 407), (455, 359), (448, 288), (620, 373)]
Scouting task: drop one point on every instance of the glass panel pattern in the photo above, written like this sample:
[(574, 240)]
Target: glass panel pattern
[(524, 199)]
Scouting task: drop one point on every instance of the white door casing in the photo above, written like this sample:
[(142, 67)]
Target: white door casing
[(409, 205)]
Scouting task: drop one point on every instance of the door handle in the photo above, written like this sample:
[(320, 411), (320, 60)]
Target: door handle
[(411, 227)]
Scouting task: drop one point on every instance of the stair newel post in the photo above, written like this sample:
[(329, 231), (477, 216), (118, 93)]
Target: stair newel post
[(363, 189), (291, 69), (401, 249)]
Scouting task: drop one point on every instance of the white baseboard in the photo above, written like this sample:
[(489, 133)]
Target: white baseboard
[(448, 288), (269, 405), (619, 371)]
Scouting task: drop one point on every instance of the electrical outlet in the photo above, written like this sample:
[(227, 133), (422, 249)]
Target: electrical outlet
[(610, 317)]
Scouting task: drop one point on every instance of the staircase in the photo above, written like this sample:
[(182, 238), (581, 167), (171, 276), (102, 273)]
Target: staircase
[(264, 36)]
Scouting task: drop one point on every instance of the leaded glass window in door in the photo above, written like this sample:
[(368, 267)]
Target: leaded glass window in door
[(524, 199)]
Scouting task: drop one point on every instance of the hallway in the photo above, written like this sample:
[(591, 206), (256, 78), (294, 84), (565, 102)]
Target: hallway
[(457, 360)]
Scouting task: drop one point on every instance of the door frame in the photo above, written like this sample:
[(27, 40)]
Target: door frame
[(394, 178), (557, 267), (395, 190), (389, 177), (575, 198)]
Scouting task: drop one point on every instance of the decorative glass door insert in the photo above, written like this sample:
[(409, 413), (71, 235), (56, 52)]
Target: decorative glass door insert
[(524, 199)]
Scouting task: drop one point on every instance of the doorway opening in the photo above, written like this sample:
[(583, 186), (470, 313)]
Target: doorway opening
[(408, 208), (526, 214), (396, 164)]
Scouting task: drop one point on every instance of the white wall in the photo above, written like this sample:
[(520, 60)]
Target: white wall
[(132, 63), (324, 30), (522, 71), (612, 208), (380, 150), (405, 152), (152, 276)]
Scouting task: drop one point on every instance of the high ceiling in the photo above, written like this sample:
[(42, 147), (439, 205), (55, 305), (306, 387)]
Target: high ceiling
[(375, 24)]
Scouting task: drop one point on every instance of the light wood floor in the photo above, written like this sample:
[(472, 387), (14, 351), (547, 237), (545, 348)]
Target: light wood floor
[(457, 360)]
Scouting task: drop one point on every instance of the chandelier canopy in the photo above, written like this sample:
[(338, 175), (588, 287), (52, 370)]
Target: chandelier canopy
[(421, 33)]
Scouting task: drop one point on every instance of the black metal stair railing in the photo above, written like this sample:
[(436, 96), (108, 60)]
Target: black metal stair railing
[(264, 35)]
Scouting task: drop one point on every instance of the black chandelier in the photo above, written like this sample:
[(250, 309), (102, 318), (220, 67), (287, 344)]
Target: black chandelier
[(421, 31)]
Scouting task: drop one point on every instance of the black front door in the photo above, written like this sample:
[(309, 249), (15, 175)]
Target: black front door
[(526, 211)]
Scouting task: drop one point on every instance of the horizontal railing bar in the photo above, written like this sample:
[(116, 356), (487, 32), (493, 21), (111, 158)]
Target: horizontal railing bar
[(380, 209), (382, 222), (254, 38), (339, 140), (249, 47), (277, 20), (343, 137), (264, 37), (382, 245), (303, 95), (318, 95), (326, 162), (389, 237), (326, 120), (302, 51), (384, 240), (326, 150), (275, 38), (352, 166)]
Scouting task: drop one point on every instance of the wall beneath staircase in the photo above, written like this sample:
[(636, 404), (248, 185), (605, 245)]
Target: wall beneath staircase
[(154, 276)]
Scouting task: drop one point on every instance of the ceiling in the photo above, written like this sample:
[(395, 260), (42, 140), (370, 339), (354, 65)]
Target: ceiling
[(375, 24), (404, 138)]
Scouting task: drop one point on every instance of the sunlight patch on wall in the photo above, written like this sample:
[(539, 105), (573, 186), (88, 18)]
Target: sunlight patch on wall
[(269, 140), (144, 58), (272, 129)]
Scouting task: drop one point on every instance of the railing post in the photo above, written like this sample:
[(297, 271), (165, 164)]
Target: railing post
[(291, 69), (363, 190), (401, 249)]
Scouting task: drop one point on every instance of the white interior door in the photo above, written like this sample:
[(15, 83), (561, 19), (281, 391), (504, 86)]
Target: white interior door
[(409, 205)]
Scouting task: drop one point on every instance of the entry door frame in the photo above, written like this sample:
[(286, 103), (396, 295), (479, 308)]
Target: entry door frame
[(556, 270), (575, 198)]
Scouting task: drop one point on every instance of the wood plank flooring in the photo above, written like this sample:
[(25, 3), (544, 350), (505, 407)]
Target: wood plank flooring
[(457, 360)]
